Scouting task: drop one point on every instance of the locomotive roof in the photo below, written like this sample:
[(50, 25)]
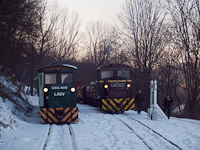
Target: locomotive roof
[(117, 66), (60, 66)]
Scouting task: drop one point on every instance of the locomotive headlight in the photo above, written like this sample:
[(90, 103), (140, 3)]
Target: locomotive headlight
[(106, 86), (128, 85), (45, 90), (73, 89)]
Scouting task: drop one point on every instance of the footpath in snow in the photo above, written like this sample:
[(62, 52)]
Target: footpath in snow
[(97, 130)]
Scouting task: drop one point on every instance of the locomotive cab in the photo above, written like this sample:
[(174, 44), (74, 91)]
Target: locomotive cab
[(57, 94)]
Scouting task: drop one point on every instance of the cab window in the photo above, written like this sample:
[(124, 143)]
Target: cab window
[(123, 73), (66, 78), (106, 74), (50, 78)]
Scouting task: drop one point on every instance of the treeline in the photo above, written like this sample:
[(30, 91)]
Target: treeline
[(159, 39)]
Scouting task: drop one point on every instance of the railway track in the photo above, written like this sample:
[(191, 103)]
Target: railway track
[(48, 134), (136, 134), (60, 137), (72, 138), (162, 141), (187, 121)]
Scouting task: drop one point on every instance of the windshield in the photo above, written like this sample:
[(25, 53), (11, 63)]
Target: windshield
[(123, 73), (66, 78), (50, 78), (106, 74)]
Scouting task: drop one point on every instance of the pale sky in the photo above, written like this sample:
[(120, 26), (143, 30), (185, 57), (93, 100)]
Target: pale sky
[(93, 10)]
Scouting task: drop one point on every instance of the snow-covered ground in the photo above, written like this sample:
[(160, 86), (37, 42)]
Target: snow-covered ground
[(97, 130)]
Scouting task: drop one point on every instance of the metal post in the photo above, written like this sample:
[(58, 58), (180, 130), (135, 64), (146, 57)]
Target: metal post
[(155, 109), (152, 97), (155, 93)]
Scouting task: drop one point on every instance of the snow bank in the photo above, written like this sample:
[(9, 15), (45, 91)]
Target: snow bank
[(13, 91), (14, 104), (98, 130)]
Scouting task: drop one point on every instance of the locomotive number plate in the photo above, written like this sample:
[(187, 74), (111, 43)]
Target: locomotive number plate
[(117, 84), (59, 87)]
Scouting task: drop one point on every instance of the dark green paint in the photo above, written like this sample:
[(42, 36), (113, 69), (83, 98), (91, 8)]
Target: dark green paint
[(68, 99)]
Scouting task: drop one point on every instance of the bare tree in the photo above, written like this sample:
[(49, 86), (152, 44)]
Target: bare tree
[(185, 16), (56, 38), (58, 34), (68, 36), (100, 43), (141, 25), (170, 78), (40, 43)]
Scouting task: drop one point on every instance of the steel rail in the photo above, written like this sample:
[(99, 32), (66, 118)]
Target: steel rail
[(155, 132)]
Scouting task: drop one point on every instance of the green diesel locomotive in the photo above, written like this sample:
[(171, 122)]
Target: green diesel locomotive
[(57, 94)]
